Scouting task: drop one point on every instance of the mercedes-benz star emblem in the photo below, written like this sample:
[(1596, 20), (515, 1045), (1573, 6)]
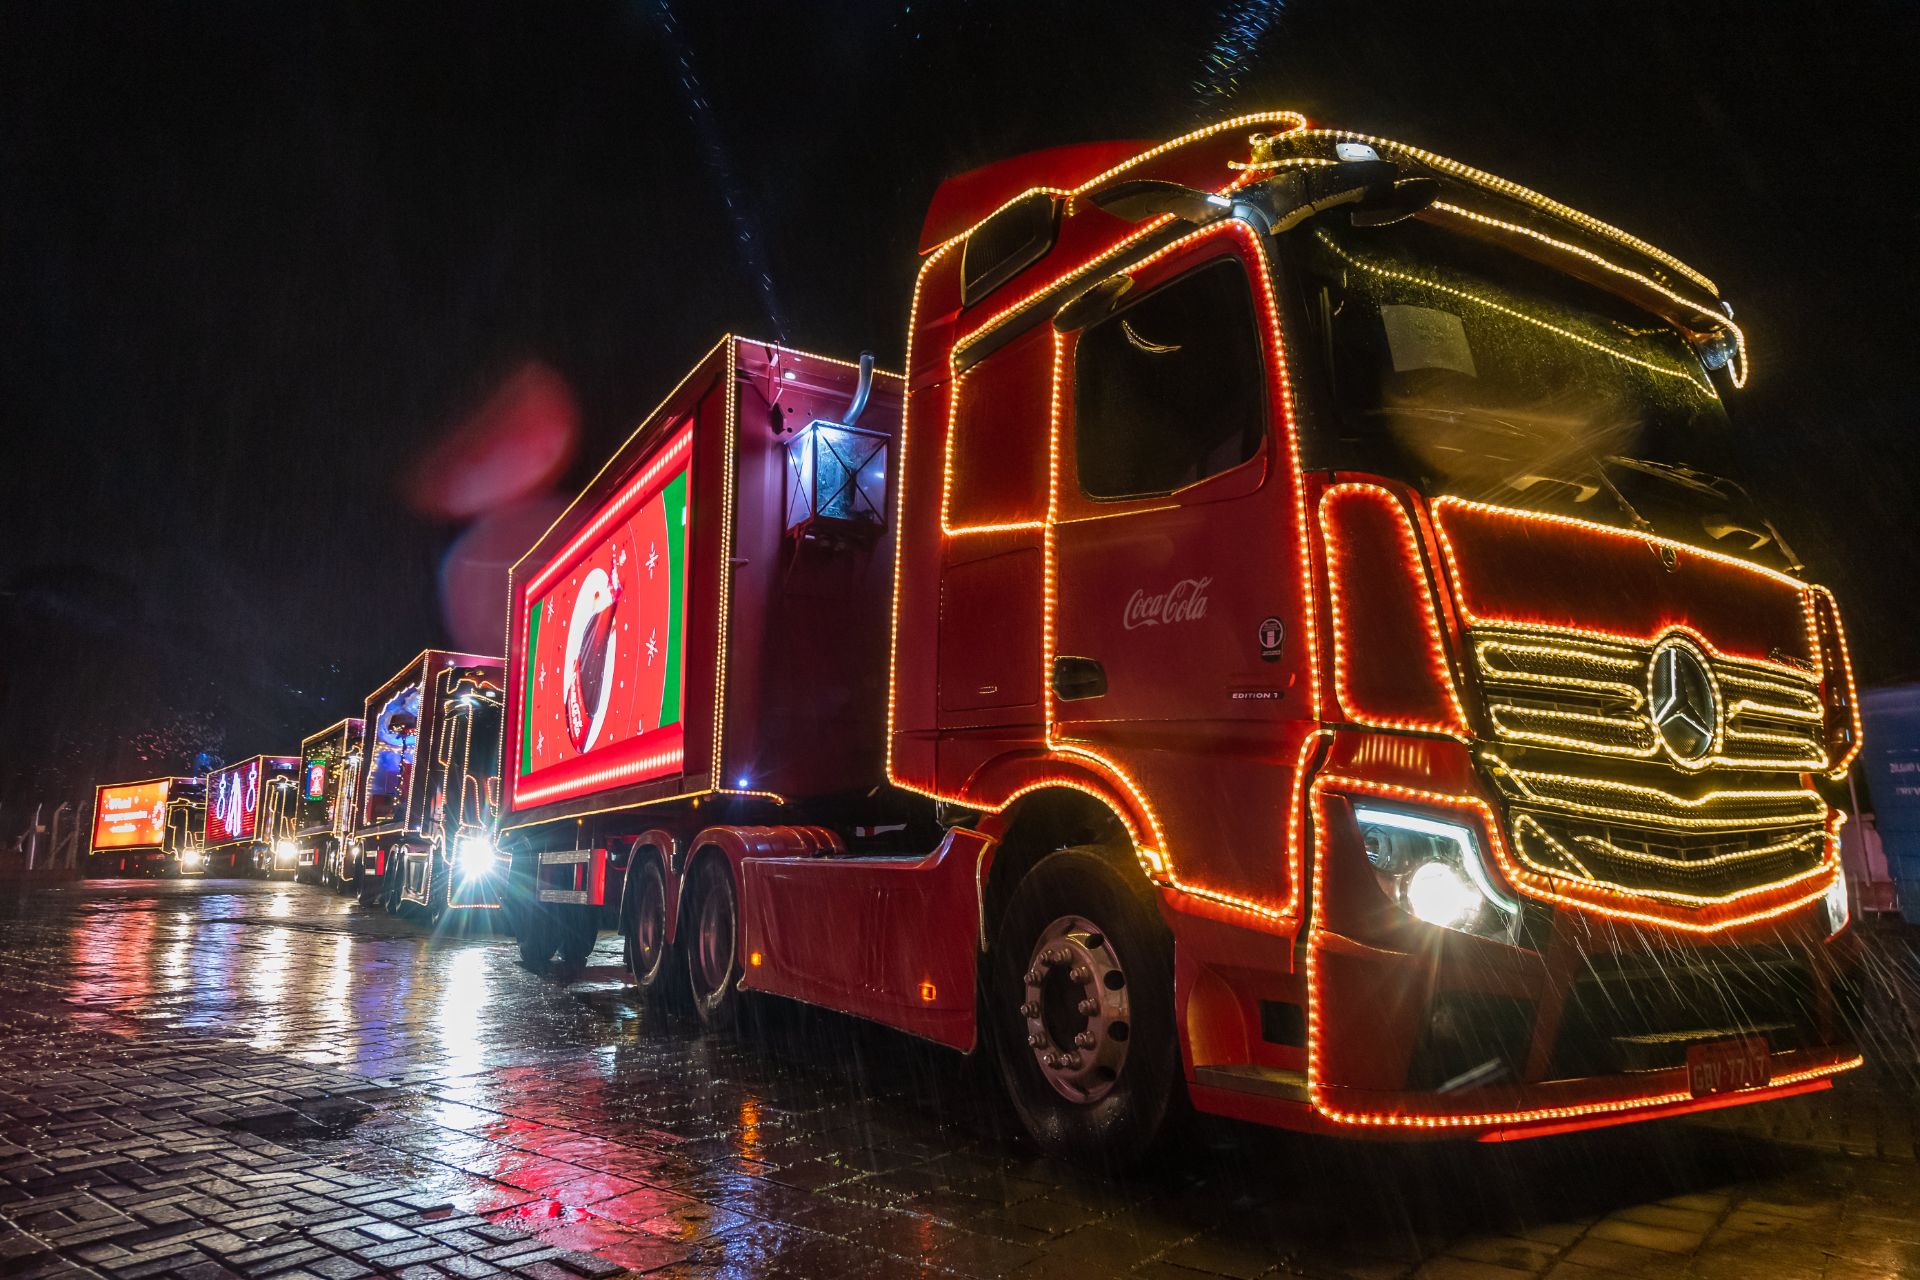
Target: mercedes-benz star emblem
[(1681, 701)]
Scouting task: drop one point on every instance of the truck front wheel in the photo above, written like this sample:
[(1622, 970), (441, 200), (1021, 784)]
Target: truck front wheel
[(712, 947), (1079, 1007)]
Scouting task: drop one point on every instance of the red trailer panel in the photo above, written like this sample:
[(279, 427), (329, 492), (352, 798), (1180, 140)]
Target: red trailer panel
[(706, 570)]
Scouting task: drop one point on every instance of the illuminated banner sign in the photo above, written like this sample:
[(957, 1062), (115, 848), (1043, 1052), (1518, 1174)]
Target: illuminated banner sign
[(131, 816), (316, 784), (233, 802), (395, 726), (603, 669)]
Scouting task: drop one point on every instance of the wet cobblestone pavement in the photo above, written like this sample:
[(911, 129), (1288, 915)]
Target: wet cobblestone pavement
[(234, 1078)]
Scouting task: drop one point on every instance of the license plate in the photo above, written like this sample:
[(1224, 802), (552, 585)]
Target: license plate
[(1724, 1066)]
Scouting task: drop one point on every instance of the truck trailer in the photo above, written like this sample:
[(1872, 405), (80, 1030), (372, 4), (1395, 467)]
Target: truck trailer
[(1290, 642), (149, 828), (250, 817), (329, 780), (396, 823)]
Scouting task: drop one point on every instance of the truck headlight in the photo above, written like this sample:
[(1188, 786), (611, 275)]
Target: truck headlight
[(1434, 871), (191, 858), (286, 851), (1839, 904), (473, 855)]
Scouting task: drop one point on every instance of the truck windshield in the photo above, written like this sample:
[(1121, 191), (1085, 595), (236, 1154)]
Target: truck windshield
[(1470, 371)]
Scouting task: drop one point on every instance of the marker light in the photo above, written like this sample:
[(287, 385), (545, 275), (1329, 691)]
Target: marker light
[(1839, 904), (285, 851), (474, 855), (1433, 870)]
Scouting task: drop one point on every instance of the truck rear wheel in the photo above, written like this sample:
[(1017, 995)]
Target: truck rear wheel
[(712, 946), (643, 927), (1079, 1009)]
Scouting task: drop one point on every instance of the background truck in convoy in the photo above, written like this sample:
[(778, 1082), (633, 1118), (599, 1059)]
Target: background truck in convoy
[(329, 781), (250, 817), (456, 866), (393, 826), (1297, 647), (150, 827)]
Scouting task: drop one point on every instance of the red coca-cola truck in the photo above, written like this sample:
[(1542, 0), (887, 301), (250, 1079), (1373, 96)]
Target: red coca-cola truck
[(329, 781), (397, 840), (152, 827), (1290, 642), (249, 817)]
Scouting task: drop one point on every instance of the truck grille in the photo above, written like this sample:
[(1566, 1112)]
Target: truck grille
[(1591, 695), (1713, 845)]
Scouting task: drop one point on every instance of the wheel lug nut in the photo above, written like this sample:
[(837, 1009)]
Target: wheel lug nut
[(1084, 1040), (1071, 1061), (1034, 1042), (1029, 1010), (1088, 1008), (1033, 977), (1050, 1060), (1078, 973)]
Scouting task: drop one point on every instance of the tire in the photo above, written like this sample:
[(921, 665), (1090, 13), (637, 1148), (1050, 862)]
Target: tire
[(577, 929), (391, 885), (710, 949), (657, 973), (1091, 1088), (529, 918), (440, 881)]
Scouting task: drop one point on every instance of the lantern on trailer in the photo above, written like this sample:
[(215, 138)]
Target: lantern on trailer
[(837, 474)]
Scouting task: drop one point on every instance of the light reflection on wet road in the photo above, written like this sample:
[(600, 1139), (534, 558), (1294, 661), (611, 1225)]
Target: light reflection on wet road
[(812, 1144)]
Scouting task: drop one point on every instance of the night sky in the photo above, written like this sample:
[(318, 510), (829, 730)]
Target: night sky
[(255, 260)]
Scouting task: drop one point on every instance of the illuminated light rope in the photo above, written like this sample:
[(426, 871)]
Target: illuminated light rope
[(1288, 120), (1659, 797), (1639, 698), (1612, 850), (1841, 647), (1467, 295), (1165, 870), (728, 433), (1438, 668), (1822, 869), (1454, 572), (1738, 373), (1513, 190), (1495, 1119), (947, 526), (1544, 888)]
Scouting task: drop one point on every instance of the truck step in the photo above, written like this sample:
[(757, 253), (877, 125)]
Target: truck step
[(1269, 1082)]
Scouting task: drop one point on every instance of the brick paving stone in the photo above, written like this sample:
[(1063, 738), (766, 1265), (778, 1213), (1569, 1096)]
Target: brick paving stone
[(146, 1131)]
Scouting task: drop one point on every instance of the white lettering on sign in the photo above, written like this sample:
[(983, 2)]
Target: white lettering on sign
[(1184, 601)]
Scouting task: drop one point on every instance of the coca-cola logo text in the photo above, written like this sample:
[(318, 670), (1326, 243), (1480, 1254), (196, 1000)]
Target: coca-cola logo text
[(1184, 601)]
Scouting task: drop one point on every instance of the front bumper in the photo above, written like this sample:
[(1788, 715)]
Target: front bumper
[(1586, 1017)]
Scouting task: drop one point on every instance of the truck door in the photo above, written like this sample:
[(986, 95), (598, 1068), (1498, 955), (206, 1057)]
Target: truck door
[(1179, 650)]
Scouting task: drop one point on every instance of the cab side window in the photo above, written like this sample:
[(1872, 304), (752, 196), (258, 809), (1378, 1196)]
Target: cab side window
[(1169, 389)]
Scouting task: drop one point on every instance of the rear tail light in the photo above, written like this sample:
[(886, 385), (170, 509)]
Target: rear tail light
[(1837, 695)]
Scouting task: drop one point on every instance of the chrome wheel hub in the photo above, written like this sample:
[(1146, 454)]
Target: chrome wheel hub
[(1075, 1006)]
